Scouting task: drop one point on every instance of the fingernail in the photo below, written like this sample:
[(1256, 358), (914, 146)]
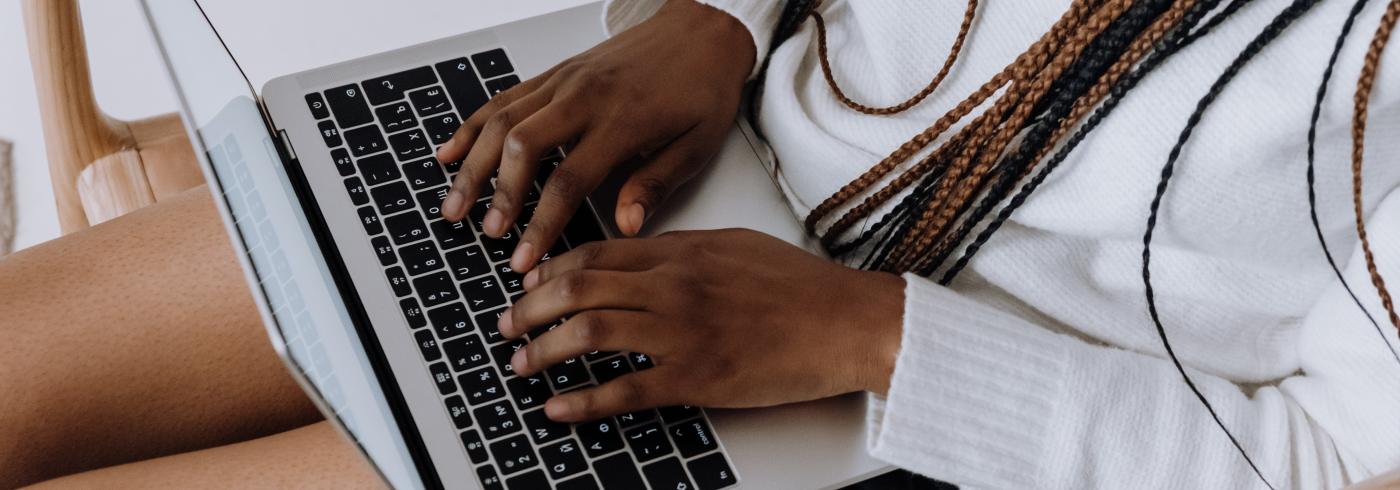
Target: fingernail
[(517, 361), (636, 214), (452, 206), (520, 260), (505, 323), (442, 151), (532, 279), (556, 409), (495, 222)]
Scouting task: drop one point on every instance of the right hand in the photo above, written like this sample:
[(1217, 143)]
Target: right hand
[(664, 93)]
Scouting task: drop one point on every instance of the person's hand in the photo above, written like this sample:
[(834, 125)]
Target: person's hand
[(731, 318), (664, 93)]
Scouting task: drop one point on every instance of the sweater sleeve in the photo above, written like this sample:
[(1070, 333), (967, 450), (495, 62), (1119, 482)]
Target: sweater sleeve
[(984, 398), (759, 16)]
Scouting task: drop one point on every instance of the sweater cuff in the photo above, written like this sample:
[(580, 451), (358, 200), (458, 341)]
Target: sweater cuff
[(759, 17), (972, 394)]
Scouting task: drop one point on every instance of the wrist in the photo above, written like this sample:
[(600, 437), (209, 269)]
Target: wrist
[(718, 29), (879, 320)]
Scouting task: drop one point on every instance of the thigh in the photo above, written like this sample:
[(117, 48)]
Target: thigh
[(134, 339), (310, 457)]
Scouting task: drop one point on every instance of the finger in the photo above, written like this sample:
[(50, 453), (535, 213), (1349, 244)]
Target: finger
[(573, 292), (485, 153), (656, 179), (593, 330), (628, 393), (524, 146), (626, 254), (456, 147), (580, 172)]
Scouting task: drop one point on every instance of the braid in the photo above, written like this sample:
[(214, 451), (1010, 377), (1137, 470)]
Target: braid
[(1358, 148)]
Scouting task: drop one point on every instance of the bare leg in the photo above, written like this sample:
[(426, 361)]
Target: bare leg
[(132, 340)]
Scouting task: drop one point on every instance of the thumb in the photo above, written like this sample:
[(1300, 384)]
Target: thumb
[(655, 179)]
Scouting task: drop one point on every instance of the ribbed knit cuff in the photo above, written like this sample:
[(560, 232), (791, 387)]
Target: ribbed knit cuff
[(760, 17), (972, 394)]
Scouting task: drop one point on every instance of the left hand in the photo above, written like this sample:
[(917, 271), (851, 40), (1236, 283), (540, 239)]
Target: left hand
[(731, 318)]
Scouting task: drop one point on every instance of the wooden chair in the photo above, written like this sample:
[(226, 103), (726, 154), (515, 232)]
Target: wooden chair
[(100, 167)]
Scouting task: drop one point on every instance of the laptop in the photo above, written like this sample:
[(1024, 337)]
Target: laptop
[(386, 314)]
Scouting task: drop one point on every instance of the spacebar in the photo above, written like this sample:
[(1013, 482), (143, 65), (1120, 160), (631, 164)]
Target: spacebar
[(462, 86)]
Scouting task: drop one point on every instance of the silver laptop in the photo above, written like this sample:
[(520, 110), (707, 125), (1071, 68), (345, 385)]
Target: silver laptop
[(386, 313)]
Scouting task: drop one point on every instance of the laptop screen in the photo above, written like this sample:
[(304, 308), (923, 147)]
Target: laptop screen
[(301, 305)]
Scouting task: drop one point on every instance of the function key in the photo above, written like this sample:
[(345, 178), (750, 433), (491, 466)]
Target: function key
[(443, 377), (648, 442), (428, 101), (533, 480), (493, 63), (465, 353), (348, 105), (424, 173), (450, 321), (396, 117), (667, 474), (600, 437), (428, 345), (370, 220), (412, 313), (712, 472), (563, 459), (343, 163), (457, 409), (693, 438), (390, 88), (543, 430), (462, 86), (440, 128), (399, 282), (364, 141), (317, 104), (497, 419), (489, 479), (495, 87), (329, 133), (617, 471), (384, 250), (482, 385), (409, 145), (358, 195), (514, 455), (476, 450), (392, 198)]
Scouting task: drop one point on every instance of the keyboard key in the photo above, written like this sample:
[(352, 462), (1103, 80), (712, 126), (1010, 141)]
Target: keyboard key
[(392, 198), (499, 249), (343, 163), (583, 228), (502, 354), (466, 263), (457, 409), (378, 169), (597, 356), (483, 293), (443, 377), (693, 438), (452, 235), (496, 419), (384, 250), (412, 313), (492, 63), (424, 173), (482, 385), (529, 392), (541, 429), (441, 128), (406, 228), (465, 353), (428, 101), (618, 472), (632, 419), (547, 166), (513, 282), (568, 374), (563, 459), (431, 201), (365, 141), (678, 413), (450, 321), (348, 105), (421, 258), (396, 117), (600, 437), (435, 289), (317, 104), (476, 450), (640, 361), (462, 86), (478, 212), (358, 195), (370, 220), (712, 472), (667, 474), (409, 145), (514, 454), (495, 87), (648, 442), (428, 345), (390, 88), (488, 321), (329, 134), (533, 480), (584, 482), (489, 479), (610, 369)]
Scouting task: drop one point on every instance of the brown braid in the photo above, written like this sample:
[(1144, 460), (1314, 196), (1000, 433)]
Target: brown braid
[(953, 53), (1358, 138)]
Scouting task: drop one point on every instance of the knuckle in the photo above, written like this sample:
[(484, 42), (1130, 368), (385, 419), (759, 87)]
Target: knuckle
[(653, 189), (588, 254), (501, 121), (564, 183), (588, 329), (520, 139), (630, 390), (571, 286)]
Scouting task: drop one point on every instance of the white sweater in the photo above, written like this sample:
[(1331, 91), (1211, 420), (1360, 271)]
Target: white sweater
[(1040, 366)]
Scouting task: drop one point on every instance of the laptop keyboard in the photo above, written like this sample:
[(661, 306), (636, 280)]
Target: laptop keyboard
[(453, 282)]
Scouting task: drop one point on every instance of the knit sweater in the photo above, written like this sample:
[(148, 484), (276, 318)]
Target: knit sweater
[(1039, 366)]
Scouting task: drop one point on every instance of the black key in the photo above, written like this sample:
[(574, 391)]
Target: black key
[(424, 173), (563, 459), (634, 418), (482, 385), (476, 450), (406, 228), (431, 201), (618, 472), (409, 145), (440, 128), (543, 430), (497, 419), (466, 263), (317, 104), (597, 355), (547, 166), (489, 479), (428, 345), (514, 282), (379, 169), (443, 377), (478, 212), (610, 369), (390, 88), (514, 454), (384, 250), (712, 472), (462, 85), (457, 409), (502, 354), (640, 361), (358, 195), (483, 293), (529, 392), (493, 63), (452, 235), (413, 313), (667, 474), (392, 198), (428, 101), (527, 213), (396, 117), (648, 442), (450, 321), (693, 438), (599, 437), (423, 257), (584, 482), (495, 87), (348, 105), (329, 133), (568, 374), (499, 249), (435, 289), (533, 480), (583, 228), (465, 353), (677, 413), (488, 322), (343, 163), (365, 140), (370, 220), (452, 167)]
